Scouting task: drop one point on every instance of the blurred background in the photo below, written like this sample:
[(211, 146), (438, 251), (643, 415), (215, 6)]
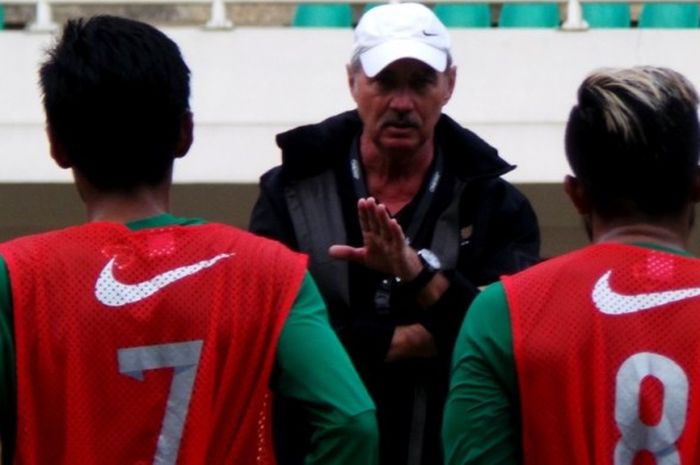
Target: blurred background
[(259, 68)]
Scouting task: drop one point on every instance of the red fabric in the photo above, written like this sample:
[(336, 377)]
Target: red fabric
[(74, 404), (570, 356)]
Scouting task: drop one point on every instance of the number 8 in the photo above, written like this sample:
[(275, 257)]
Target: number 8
[(658, 439)]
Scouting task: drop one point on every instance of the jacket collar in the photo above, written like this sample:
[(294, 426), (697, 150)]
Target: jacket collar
[(309, 150)]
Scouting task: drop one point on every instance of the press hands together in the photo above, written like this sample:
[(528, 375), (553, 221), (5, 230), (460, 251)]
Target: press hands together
[(384, 246)]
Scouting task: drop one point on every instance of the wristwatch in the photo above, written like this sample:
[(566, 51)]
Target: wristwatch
[(431, 265)]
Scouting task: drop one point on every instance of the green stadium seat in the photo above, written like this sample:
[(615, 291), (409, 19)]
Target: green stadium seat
[(464, 14), (322, 15), (2, 17), (369, 6), (607, 15), (669, 15), (536, 15)]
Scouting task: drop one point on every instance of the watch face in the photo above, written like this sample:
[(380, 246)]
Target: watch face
[(429, 258)]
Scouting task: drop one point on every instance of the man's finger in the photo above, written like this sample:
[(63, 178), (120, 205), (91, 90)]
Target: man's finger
[(345, 252)]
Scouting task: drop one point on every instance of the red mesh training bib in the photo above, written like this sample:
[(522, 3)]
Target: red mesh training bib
[(147, 347), (607, 344)]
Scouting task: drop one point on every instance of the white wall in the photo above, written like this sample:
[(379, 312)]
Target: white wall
[(514, 88)]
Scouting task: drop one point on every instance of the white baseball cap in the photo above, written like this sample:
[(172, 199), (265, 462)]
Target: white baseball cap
[(390, 32)]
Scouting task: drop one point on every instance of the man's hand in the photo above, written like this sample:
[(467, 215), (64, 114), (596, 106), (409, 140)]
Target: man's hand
[(384, 243), (411, 341)]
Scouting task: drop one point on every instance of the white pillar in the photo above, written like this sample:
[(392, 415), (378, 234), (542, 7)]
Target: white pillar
[(44, 18), (574, 17), (218, 19)]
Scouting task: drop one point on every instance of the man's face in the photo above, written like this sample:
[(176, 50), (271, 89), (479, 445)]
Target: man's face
[(401, 105)]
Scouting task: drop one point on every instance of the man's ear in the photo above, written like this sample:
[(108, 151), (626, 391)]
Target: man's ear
[(186, 135), (57, 150), (576, 192), (451, 80), (351, 79)]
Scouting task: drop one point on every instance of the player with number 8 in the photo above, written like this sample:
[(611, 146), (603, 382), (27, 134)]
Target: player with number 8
[(591, 357)]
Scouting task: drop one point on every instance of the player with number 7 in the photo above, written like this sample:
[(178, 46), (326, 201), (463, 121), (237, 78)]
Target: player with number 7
[(144, 338)]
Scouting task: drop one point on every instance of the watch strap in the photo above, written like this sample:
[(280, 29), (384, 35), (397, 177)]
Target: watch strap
[(423, 277), (421, 280)]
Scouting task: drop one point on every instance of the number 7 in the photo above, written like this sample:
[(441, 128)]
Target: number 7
[(184, 358)]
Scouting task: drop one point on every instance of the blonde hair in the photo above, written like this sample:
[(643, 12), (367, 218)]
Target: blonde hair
[(633, 140), (651, 87)]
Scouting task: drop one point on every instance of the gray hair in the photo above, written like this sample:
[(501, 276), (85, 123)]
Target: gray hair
[(620, 90)]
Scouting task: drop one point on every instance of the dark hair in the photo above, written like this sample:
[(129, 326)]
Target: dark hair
[(115, 93), (633, 141)]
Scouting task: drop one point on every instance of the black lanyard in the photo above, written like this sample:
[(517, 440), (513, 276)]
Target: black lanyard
[(426, 199), (382, 296)]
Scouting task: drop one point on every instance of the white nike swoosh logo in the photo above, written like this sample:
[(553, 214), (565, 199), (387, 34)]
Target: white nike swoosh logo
[(611, 302), (113, 293)]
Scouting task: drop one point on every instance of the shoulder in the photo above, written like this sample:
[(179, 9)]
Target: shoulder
[(275, 250), (256, 258), (467, 154), (251, 242), (498, 189), (562, 269), (500, 204), (489, 308), (308, 150), (33, 243)]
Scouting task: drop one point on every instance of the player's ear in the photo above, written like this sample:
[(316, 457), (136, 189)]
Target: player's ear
[(186, 135), (574, 189), (696, 186), (57, 149)]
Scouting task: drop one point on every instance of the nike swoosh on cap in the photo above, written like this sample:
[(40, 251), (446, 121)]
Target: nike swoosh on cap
[(611, 302), (113, 293)]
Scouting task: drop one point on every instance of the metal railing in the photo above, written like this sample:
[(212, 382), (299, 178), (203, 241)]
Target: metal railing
[(218, 19), (43, 17)]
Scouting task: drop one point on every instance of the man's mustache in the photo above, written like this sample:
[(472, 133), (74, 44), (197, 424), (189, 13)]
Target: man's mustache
[(400, 119)]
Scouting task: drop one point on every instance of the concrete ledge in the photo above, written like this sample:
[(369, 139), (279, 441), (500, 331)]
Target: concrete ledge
[(31, 208)]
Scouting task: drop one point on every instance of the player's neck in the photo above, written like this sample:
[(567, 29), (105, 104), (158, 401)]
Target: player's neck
[(126, 207), (123, 206), (643, 233)]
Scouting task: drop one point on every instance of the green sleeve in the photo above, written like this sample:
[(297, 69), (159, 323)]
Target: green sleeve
[(313, 368), (481, 423), (7, 366)]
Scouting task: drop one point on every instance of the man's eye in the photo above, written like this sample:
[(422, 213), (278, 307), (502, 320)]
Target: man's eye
[(385, 83), (421, 83)]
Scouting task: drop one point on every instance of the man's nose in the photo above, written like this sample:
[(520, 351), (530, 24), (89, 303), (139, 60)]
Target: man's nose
[(402, 100)]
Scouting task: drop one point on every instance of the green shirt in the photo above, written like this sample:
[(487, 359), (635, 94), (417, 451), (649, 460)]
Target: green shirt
[(482, 415), (311, 368)]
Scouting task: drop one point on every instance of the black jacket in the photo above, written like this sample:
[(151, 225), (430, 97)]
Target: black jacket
[(478, 224)]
